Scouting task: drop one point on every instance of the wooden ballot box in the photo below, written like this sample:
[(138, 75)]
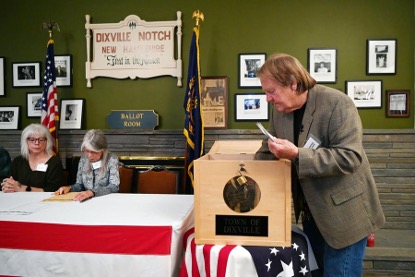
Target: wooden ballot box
[(239, 200)]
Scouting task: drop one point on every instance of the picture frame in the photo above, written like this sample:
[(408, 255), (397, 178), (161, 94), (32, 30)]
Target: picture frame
[(381, 56), (322, 64), (26, 74), (214, 99), (9, 117), (249, 64), (397, 103), (365, 94), (63, 67), (34, 104), (2, 74), (72, 112), (251, 107)]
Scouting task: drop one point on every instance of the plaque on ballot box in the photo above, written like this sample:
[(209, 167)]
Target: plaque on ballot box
[(239, 200)]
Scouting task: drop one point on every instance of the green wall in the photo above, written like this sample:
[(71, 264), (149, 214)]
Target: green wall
[(231, 27)]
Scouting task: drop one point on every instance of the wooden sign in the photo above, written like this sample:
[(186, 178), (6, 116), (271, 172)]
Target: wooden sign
[(133, 120), (133, 48)]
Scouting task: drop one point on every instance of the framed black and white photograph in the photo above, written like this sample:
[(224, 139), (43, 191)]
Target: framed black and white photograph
[(214, 97), (71, 113), (9, 117), (2, 74), (397, 103), (26, 74), (251, 107), (249, 64), (63, 67), (34, 104), (365, 94), (322, 64), (381, 56)]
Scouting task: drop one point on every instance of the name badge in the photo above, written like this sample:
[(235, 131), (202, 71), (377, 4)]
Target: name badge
[(96, 165), (312, 142), (42, 167)]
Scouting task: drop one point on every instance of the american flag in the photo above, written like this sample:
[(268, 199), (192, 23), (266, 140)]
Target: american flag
[(193, 129), (49, 112), (247, 261)]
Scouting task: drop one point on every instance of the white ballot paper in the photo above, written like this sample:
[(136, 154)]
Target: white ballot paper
[(264, 131)]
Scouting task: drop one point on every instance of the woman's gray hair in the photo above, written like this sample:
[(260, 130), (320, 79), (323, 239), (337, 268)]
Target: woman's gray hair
[(37, 130), (95, 140)]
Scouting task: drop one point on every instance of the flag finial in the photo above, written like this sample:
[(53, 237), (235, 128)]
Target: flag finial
[(199, 16), (51, 25)]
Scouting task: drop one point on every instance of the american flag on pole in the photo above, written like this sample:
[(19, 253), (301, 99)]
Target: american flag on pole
[(193, 129), (247, 261), (49, 112)]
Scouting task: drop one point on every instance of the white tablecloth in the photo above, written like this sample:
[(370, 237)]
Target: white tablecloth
[(112, 235)]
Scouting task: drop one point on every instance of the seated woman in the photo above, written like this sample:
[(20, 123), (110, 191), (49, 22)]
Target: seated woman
[(97, 170), (37, 168)]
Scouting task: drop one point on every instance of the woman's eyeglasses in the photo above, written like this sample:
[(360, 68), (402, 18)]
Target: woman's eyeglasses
[(39, 140)]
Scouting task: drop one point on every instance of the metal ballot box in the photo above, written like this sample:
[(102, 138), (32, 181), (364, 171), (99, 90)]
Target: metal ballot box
[(239, 200)]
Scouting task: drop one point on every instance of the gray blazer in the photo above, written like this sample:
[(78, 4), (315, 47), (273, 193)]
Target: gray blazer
[(336, 178)]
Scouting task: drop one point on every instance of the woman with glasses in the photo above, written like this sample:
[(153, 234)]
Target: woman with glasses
[(97, 170), (37, 168)]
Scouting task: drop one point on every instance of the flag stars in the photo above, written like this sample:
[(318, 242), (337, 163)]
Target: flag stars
[(303, 270), (268, 265), (274, 251), (287, 270), (302, 256), (295, 246)]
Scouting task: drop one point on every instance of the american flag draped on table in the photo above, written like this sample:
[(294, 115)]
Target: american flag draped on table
[(49, 112), (247, 261), (193, 127)]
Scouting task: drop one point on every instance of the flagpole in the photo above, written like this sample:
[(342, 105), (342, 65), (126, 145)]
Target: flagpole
[(49, 112), (197, 15), (51, 25)]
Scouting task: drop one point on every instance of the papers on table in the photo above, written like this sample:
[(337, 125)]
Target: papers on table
[(63, 197), (25, 209)]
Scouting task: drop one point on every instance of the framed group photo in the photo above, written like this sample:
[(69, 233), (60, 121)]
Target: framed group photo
[(34, 104), (322, 64), (365, 94), (63, 67), (251, 107), (71, 116), (397, 103), (214, 97), (381, 56), (26, 74), (9, 117), (249, 64), (2, 74)]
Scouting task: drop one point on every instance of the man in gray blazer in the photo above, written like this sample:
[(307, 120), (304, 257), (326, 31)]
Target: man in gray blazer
[(319, 129)]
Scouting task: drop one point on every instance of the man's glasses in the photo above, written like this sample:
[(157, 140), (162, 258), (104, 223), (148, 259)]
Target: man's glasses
[(39, 140)]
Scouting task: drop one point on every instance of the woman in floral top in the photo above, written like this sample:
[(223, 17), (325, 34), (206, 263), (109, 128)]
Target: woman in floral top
[(97, 170)]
